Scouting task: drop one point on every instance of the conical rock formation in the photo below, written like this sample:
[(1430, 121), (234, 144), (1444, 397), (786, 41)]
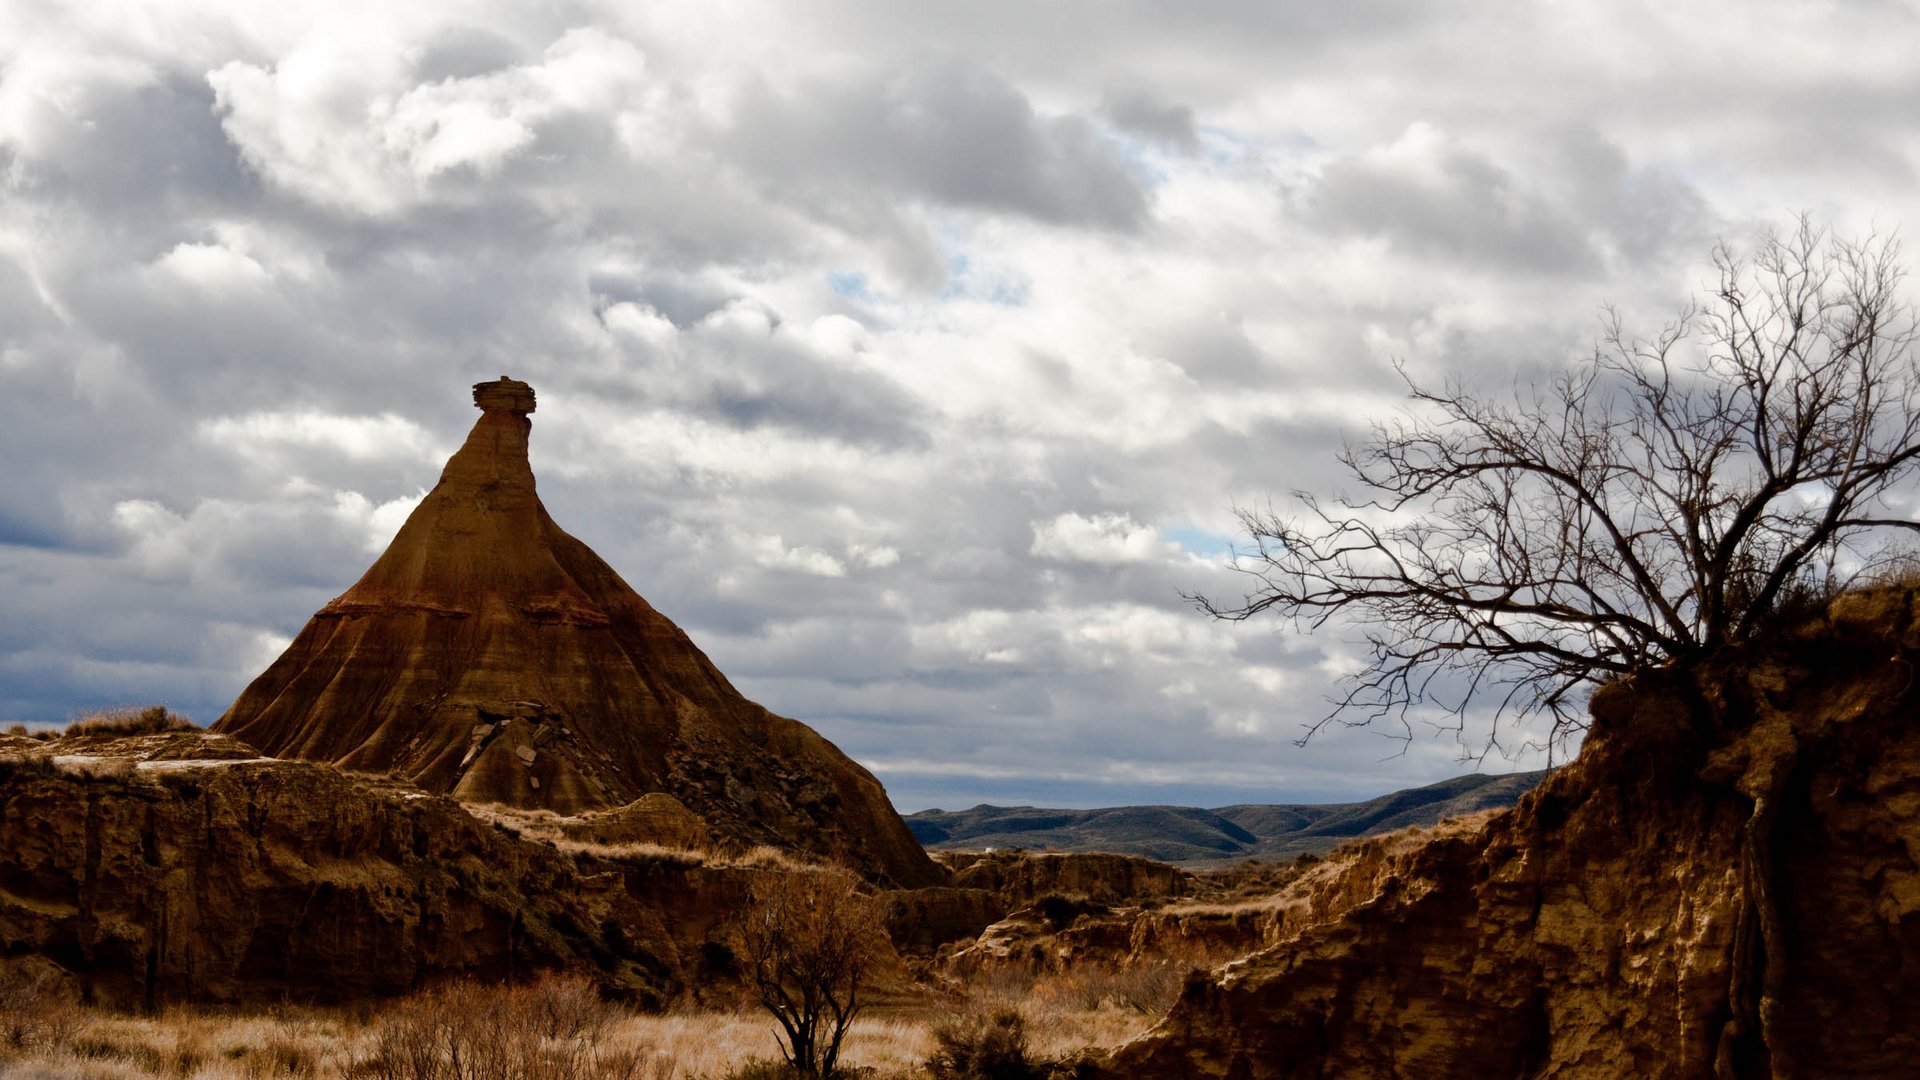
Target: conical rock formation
[(489, 655)]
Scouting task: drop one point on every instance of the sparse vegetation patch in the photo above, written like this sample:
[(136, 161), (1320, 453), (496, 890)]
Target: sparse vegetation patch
[(132, 720)]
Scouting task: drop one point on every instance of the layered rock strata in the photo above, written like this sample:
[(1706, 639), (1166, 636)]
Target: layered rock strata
[(1725, 883), (489, 655), (188, 868)]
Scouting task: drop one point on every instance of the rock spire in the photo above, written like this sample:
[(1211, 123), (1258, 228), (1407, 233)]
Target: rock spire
[(490, 655)]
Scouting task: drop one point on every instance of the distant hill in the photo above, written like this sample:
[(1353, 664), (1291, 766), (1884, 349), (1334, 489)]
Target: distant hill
[(1185, 834)]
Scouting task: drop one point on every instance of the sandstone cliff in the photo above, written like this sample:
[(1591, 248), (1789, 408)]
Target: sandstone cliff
[(188, 868), (489, 655), (1726, 882)]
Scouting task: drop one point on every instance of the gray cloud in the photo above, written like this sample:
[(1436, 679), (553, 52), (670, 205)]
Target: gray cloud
[(1435, 196), (912, 360), (1137, 110), (942, 130)]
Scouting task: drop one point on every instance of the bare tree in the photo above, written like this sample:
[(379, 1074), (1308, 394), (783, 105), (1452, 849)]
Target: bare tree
[(1650, 505), (812, 942)]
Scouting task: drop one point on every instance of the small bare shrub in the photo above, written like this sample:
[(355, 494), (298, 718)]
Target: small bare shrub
[(983, 1045), (564, 1007), (551, 1030), (281, 1055), (35, 1011), (811, 942), (130, 720), (406, 1044)]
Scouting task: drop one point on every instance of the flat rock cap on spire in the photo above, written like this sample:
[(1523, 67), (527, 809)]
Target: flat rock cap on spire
[(504, 394)]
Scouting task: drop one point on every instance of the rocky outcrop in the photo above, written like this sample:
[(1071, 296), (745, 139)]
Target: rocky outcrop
[(992, 906), (1020, 878), (187, 868), (655, 818), (921, 920), (489, 655), (1726, 882), (999, 889)]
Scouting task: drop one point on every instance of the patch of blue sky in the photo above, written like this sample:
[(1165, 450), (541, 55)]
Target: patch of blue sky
[(1144, 159), (1199, 542), (851, 284), (1222, 147), (967, 280)]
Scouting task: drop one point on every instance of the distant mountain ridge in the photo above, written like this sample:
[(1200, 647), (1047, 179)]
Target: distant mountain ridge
[(1185, 834)]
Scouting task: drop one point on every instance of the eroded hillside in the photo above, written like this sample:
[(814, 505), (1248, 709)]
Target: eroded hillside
[(1725, 883), (186, 867)]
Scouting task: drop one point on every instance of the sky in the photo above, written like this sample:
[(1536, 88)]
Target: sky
[(912, 357)]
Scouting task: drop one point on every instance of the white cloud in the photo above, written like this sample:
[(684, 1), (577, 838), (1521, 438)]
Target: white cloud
[(772, 553), (386, 436), (1102, 538), (886, 348), (212, 267), (378, 522), (874, 555), (308, 535), (339, 121)]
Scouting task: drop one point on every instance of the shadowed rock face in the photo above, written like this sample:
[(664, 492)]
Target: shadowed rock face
[(1726, 882), (491, 656), (187, 868)]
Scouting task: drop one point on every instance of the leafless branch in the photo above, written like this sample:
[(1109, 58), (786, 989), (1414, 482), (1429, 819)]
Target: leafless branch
[(1664, 498)]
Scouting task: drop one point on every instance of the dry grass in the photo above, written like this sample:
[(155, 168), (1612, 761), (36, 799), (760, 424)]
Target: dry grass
[(132, 720), (557, 1029), (188, 1043), (1091, 1002), (547, 827), (766, 857), (634, 851)]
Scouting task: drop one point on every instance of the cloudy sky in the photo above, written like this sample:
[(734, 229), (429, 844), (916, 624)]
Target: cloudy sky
[(912, 357)]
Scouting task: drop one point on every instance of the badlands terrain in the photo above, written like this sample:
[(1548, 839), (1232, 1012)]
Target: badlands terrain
[(491, 814)]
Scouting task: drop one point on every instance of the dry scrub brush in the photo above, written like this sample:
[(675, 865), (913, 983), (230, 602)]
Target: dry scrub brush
[(555, 1029), (132, 720), (35, 1011), (981, 1044)]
